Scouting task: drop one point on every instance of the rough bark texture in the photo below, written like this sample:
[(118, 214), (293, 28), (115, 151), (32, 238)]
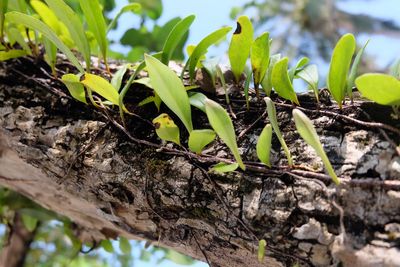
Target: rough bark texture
[(72, 160), (17, 245)]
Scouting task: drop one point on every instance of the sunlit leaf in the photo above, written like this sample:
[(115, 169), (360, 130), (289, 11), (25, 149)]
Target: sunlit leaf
[(29, 222), (152, 8), (116, 80), (74, 86), (3, 10), (175, 36), (125, 246), (166, 129), (10, 54), (202, 47), (298, 67), (267, 81), (15, 34), (281, 81), (223, 126), (381, 88), (259, 56), (49, 17), (30, 22), (178, 258), (198, 139), (198, 100), (102, 87), (339, 67), (261, 250), (239, 48), (75, 27), (310, 75), (97, 25), (264, 144), (223, 167), (220, 74), (170, 89), (107, 245), (274, 122), (131, 7), (307, 131), (353, 70)]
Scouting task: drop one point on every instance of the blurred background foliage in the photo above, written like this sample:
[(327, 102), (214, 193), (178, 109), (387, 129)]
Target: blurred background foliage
[(298, 27)]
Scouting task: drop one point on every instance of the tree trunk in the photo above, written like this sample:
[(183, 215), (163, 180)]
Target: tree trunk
[(111, 180), (17, 245)]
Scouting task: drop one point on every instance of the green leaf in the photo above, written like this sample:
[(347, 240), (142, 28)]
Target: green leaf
[(75, 27), (240, 46), (201, 49), (298, 67), (223, 126), (198, 100), (264, 143), (30, 22), (132, 7), (49, 17), (281, 81), (246, 88), (166, 129), (175, 36), (29, 222), (15, 34), (220, 74), (116, 80), (261, 250), (353, 71), (124, 245), (102, 87), (152, 8), (339, 67), (198, 139), (310, 75), (381, 88), (74, 86), (51, 53), (267, 81), (10, 54), (274, 122), (107, 245), (395, 69), (307, 131), (170, 89), (97, 25), (3, 10), (178, 258), (210, 65), (223, 167), (259, 56)]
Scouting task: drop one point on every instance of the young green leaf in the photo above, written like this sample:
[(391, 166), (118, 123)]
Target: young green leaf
[(116, 80), (259, 56), (15, 34), (30, 22), (175, 36), (102, 87), (210, 65), (202, 47), (263, 147), (223, 167), (131, 7), (298, 67), (198, 100), (246, 87), (124, 245), (97, 25), (281, 81), (3, 10), (29, 222), (51, 54), (267, 81), (75, 88), (274, 122), (75, 27), (310, 75), (107, 245), (223, 126), (353, 71), (240, 46), (261, 250), (166, 129), (307, 131), (381, 88), (170, 89), (339, 67), (198, 139), (10, 54), (220, 74)]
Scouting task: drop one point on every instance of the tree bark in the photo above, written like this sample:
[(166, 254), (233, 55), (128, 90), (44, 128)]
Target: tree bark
[(111, 180), (16, 247)]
